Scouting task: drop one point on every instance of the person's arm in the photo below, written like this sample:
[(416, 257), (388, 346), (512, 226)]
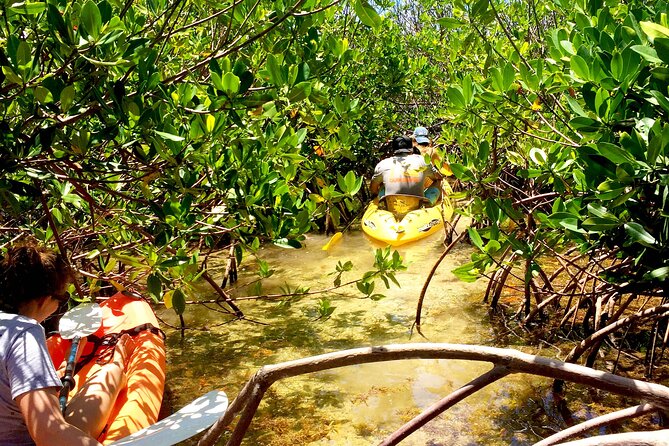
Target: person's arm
[(377, 180), (45, 422), (432, 180), (374, 186)]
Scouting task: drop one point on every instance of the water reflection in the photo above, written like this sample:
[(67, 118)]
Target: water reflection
[(357, 405)]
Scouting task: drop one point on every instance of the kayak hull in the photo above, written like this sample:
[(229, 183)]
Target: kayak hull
[(382, 225), (138, 405)]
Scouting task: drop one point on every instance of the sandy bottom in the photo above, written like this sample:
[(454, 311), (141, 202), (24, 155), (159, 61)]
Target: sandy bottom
[(357, 405)]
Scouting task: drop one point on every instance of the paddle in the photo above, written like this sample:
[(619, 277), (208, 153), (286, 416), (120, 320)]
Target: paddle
[(335, 238), (190, 420), (338, 235), (81, 321)]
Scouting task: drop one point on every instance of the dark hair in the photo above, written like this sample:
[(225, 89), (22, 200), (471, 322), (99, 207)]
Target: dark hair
[(402, 143), (30, 272)]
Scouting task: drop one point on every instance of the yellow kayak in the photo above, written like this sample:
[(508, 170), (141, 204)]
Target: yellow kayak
[(382, 225)]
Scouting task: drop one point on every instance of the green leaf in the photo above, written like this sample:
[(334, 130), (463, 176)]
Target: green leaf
[(217, 81), (566, 220), (599, 224), (492, 247), (509, 75), (475, 237), (174, 261), (287, 243), (365, 287), (154, 286), (67, 98), (657, 144), (367, 14), (43, 95), (179, 301), (580, 67), (479, 8), (647, 53), (130, 260), (303, 72), (450, 22), (599, 211), (661, 99), (91, 19), (614, 153), (462, 173), (11, 76), (467, 272), (246, 80), (467, 89), (497, 80), (576, 107), (617, 66), (584, 124), (639, 235), (538, 156), (299, 92), (23, 56), (568, 47), (456, 97), (657, 274), (230, 83), (275, 71), (654, 30), (169, 136), (349, 184), (29, 8), (662, 49)]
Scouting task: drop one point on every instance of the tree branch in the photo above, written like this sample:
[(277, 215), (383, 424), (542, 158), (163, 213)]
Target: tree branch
[(514, 361)]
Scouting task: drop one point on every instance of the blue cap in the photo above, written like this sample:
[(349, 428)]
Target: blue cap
[(420, 135)]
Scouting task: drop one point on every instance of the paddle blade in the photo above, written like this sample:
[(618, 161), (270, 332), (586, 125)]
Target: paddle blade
[(189, 421), (333, 240), (80, 321)]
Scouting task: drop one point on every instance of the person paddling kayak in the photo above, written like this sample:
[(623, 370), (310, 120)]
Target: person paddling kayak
[(33, 280), (404, 177)]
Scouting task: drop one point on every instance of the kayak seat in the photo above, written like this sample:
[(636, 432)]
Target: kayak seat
[(400, 205)]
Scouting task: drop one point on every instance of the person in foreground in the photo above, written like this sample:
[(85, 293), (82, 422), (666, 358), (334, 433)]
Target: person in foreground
[(33, 281), (404, 177)]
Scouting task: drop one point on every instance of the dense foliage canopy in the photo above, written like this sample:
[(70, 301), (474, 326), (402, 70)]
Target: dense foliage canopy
[(145, 129), (145, 133)]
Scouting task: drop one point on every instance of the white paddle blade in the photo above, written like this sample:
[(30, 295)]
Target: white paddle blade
[(80, 321), (189, 421)]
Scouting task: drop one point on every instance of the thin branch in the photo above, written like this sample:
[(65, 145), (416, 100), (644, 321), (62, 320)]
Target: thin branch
[(179, 76), (426, 284), (597, 422), (577, 351), (446, 403), (653, 438)]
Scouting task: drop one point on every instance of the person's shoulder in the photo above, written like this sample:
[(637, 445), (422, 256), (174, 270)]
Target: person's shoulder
[(17, 322), (416, 158)]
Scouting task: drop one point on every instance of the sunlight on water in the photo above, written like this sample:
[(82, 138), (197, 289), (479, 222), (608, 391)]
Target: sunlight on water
[(358, 405)]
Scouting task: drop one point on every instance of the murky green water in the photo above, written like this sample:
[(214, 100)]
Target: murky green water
[(363, 404)]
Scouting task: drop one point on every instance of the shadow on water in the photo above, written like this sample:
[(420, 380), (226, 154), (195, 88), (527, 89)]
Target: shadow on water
[(357, 405)]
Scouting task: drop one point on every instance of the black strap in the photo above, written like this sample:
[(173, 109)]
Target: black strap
[(109, 341)]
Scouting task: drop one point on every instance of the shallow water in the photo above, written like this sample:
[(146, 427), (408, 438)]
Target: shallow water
[(362, 404)]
